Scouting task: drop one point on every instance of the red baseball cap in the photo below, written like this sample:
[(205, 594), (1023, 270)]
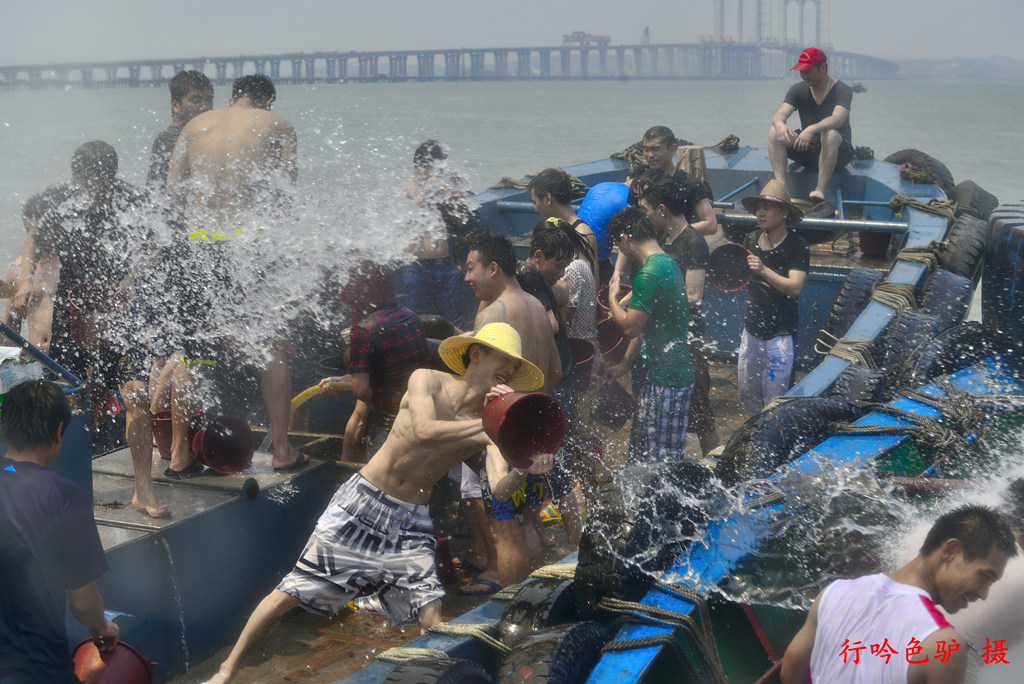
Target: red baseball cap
[(811, 57)]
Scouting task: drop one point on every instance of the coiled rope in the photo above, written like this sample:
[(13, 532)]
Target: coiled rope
[(945, 208), (859, 352), (401, 654), (899, 296)]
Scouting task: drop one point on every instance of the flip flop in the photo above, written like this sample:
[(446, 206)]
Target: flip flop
[(491, 587), (300, 461), (194, 468), (459, 562), (369, 605)]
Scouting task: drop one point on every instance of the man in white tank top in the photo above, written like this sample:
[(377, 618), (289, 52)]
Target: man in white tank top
[(885, 628)]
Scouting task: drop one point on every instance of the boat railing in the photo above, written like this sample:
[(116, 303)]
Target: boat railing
[(41, 356)]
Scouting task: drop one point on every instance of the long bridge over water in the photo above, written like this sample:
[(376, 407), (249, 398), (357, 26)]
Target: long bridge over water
[(709, 60)]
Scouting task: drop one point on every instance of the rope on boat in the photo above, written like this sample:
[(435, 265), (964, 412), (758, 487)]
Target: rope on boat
[(925, 255), (401, 654), (945, 208), (859, 352), (579, 188), (561, 571), (926, 431), (780, 400), (899, 296), (916, 174), (729, 143), (482, 631), (863, 152), (700, 635)]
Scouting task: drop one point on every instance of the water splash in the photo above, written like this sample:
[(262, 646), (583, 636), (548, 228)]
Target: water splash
[(177, 599)]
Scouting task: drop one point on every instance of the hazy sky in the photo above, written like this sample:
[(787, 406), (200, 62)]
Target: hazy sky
[(41, 31)]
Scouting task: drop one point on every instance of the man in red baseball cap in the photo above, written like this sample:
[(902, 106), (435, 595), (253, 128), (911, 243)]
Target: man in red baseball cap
[(824, 142)]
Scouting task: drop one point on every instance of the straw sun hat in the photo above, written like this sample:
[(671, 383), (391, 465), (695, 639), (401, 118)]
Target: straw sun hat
[(775, 191), (500, 336)]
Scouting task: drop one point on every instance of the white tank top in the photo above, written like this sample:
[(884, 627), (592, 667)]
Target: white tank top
[(871, 610)]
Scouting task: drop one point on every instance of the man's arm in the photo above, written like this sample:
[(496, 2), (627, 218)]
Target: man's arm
[(29, 259), (935, 671), (695, 286), (632, 321), (835, 120), (361, 387), (796, 663), (454, 434), (505, 480), (707, 223), (179, 169), (355, 430), (790, 285), (779, 120), (87, 607), (495, 312), (289, 144)]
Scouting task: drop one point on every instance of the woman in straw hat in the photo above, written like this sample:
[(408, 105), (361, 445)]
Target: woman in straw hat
[(778, 260)]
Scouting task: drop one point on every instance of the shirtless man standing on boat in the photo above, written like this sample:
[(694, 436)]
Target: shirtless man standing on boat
[(490, 268), (886, 628), (825, 143), (233, 168), (376, 536)]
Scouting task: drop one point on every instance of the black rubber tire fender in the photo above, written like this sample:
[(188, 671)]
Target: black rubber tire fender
[(963, 249), (439, 671), (946, 295), (958, 347), (973, 199), (858, 385), (560, 655), (853, 297), (537, 605), (925, 162), (907, 334)]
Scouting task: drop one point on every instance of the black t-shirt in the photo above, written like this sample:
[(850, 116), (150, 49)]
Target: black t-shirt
[(769, 312), (695, 191), (533, 283), (799, 96), (93, 244), (690, 251), (48, 545), (160, 157)]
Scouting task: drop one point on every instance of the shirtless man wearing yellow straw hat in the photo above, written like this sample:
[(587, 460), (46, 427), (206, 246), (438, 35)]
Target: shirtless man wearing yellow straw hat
[(376, 536)]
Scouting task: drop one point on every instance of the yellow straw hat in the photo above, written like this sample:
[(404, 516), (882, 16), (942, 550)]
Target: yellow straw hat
[(775, 191), (500, 336)]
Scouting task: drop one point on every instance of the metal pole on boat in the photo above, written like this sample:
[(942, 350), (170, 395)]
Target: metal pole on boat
[(39, 355), (835, 224)]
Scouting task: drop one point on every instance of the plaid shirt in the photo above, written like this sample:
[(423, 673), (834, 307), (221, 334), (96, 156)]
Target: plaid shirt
[(389, 344)]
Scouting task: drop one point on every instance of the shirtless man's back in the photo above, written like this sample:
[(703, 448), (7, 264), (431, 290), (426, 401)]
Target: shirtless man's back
[(231, 161)]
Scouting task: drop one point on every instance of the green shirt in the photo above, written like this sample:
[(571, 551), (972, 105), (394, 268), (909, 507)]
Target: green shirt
[(659, 289)]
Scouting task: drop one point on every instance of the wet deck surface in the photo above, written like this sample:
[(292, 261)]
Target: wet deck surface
[(310, 648)]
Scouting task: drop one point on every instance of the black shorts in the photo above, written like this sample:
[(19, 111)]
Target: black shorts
[(809, 158)]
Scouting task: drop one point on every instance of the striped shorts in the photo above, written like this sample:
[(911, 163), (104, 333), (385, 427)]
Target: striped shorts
[(659, 425), (365, 543)]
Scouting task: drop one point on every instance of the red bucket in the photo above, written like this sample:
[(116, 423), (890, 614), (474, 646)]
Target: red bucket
[(226, 445), (612, 342), (163, 431), (727, 267), (524, 424), (583, 352), (123, 665), (614, 405), (602, 297), (96, 309)]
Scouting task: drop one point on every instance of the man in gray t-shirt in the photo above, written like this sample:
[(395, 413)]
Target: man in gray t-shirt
[(824, 142)]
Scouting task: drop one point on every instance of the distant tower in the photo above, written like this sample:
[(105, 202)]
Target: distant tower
[(820, 35)]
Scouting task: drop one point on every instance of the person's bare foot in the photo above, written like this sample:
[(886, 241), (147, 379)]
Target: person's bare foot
[(817, 195), (181, 459), (284, 456), (152, 509)]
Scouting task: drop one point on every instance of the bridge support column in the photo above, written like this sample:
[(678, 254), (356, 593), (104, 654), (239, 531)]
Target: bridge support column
[(425, 65), (397, 66), (221, 69), (343, 67), (545, 63), (523, 64), (311, 68), (331, 67), (602, 55), (452, 65), (111, 75), (156, 72), (585, 62), (133, 74), (565, 62), (476, 64), (501, 64), (259, 65)]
